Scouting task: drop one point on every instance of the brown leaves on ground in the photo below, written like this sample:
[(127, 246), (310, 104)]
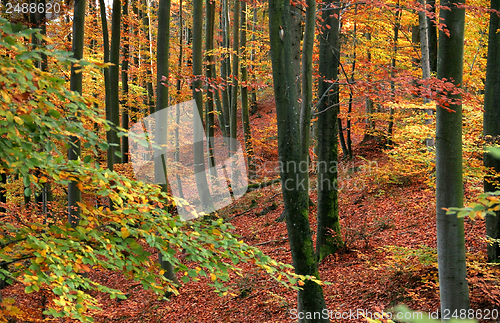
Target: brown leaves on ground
[(389, 257)]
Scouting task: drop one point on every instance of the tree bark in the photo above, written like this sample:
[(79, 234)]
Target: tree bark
[(428, 48), (253, 91), (198, 155), (225, 67), (329, 238), (149, 99), (209, 72), (454, 292), (76, 84), (234, 94), (125, 58), (162, 73), (397, 25), (114, 72), (295, 195), (244, 95), (491, 126)]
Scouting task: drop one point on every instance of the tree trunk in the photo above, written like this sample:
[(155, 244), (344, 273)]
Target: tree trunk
[(454, 292), (76, 84), (307, 81), (244, 95), (163, 46), (105, 40), (149, 99), (3, 199), (397, 22), (370, 123), (427, 35), (329, 238), (114, 72), (198, 149), (491, 126), (290, 148), (225, 67), (177, 108), (125, 53), (253, 91), (234, 94), (209, 72), (345, 151)]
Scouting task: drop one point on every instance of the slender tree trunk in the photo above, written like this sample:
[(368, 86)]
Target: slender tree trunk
[(199, 160), (370, 123), (253, 91), (114, 72), (290, 148), (162, 73), (454, 292), (432, 37), (3, 192), (105, 39), (307, 81), (244, 94), (76, 84), (149, 99), (351, 81), (397, 21), (136, 30), (225, 67), (329, 239), (427, 35), (234, 93), (3, 199), (209, 72), (125, 54), (177, 108), (345, 151), (491, 126)]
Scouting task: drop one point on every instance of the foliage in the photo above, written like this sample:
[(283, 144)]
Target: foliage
[(411, 160), (41, 252)]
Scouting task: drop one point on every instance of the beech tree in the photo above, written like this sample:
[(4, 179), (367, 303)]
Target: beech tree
[(74, 194), (114, 72), (329, 238), (245, 114), (491, 126), (292, 157), (454, 292), (124, 78), (198, 149)]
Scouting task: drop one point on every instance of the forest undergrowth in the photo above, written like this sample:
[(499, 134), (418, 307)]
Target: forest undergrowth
[(389, 256)]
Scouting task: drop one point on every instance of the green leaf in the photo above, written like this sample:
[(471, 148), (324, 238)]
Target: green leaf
[(55, 114), (103, 145), (27, 191)]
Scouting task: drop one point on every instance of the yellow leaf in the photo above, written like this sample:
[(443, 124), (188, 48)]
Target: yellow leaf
[(18, 120), (213, 277), (125, 232), (6, 96), (39, 260)]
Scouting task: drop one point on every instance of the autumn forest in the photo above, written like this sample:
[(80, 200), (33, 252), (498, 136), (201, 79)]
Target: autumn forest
[(249, 161)]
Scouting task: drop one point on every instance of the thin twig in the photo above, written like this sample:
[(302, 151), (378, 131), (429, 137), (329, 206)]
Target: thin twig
[(267, 242)]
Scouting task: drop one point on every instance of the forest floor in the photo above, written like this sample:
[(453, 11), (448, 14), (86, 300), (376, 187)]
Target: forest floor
[(389, 256)]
